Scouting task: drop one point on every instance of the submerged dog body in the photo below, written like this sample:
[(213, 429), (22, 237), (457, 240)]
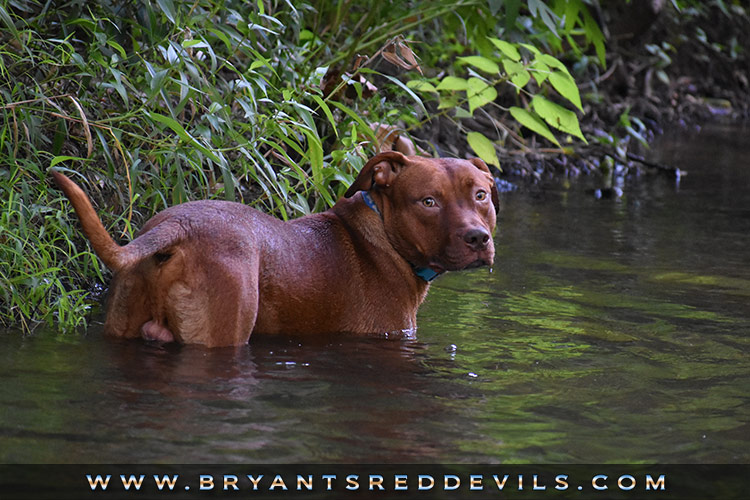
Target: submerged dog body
[(213, 272)]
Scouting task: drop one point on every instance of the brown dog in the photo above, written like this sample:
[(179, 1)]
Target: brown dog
[(213, 272)]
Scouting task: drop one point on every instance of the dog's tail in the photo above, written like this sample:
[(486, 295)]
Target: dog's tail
[(114, 256), (103, 244)]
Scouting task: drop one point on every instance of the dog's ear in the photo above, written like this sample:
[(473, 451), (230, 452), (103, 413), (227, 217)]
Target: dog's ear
[(380, 170), (481, 165)]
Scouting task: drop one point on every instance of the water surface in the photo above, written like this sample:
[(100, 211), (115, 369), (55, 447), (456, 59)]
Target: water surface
[(610, 331)]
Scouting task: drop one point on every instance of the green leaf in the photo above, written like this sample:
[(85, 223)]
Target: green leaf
[(118, 85), (531, 49), (553, 62), (506, 48), (512, 7), (594, 33), (479, 93), (8, 22), (230, 182), (557, 116), (571, 11), (459, 112), (221, 36), (421, 86), (327, 111), (155, 79), (540, 71), (483, 147), (517, 73), (118, 48), (183, 134), (448, 102), (452, 83), (195, 42), (566, 87), (59, 159), (409, 91), (352, 114), (315, 155), (539, 9), (167, 7), (531, 121), (482, 63)]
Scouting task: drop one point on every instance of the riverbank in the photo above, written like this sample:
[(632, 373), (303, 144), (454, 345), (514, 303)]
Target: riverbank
[(664, 70), (150, 105)]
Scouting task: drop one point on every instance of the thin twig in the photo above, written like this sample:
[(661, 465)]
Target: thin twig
[(659, 166)]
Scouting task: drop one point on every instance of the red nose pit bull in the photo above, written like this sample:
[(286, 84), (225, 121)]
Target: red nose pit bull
[(214, 272)]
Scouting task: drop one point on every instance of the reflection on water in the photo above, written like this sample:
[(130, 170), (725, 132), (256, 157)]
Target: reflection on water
[(609, 331)]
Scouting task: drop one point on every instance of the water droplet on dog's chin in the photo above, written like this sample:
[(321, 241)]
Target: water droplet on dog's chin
[(491, 270)]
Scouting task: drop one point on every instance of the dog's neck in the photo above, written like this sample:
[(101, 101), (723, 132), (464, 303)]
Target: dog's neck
[(423, 273)]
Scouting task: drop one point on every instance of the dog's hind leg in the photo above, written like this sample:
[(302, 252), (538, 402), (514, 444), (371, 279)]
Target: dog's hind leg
[(215, 303), (128, 306)]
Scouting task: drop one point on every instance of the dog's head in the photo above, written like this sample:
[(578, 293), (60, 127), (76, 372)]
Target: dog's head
[(439, 213)]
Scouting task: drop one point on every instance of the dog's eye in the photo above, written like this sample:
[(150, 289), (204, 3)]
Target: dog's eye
[(429, 202), (481, 195)]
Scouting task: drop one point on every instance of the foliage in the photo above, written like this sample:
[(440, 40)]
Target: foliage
[(538, 78), (507, 66), (152, 103), (36, 252)]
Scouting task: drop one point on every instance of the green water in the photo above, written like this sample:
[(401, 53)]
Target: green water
[(610, 331)]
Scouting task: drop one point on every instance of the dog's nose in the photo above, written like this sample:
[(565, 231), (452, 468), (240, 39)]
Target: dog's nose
[(477, 238)]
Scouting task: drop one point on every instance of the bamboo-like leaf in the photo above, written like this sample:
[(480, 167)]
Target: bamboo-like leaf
[(409, 91), (167, 7), (118, 85), (59, 159), (183, 134), (352, 114), (118, 48), (86, 128), (8, 22), (315, 155), (594, 33), (327, 111)]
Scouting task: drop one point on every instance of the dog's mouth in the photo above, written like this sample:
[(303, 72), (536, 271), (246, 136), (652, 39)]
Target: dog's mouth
[(477, 263), (436, 267), (439, 268)]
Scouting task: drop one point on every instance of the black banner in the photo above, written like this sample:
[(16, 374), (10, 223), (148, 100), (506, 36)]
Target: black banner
[(584, 482)]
